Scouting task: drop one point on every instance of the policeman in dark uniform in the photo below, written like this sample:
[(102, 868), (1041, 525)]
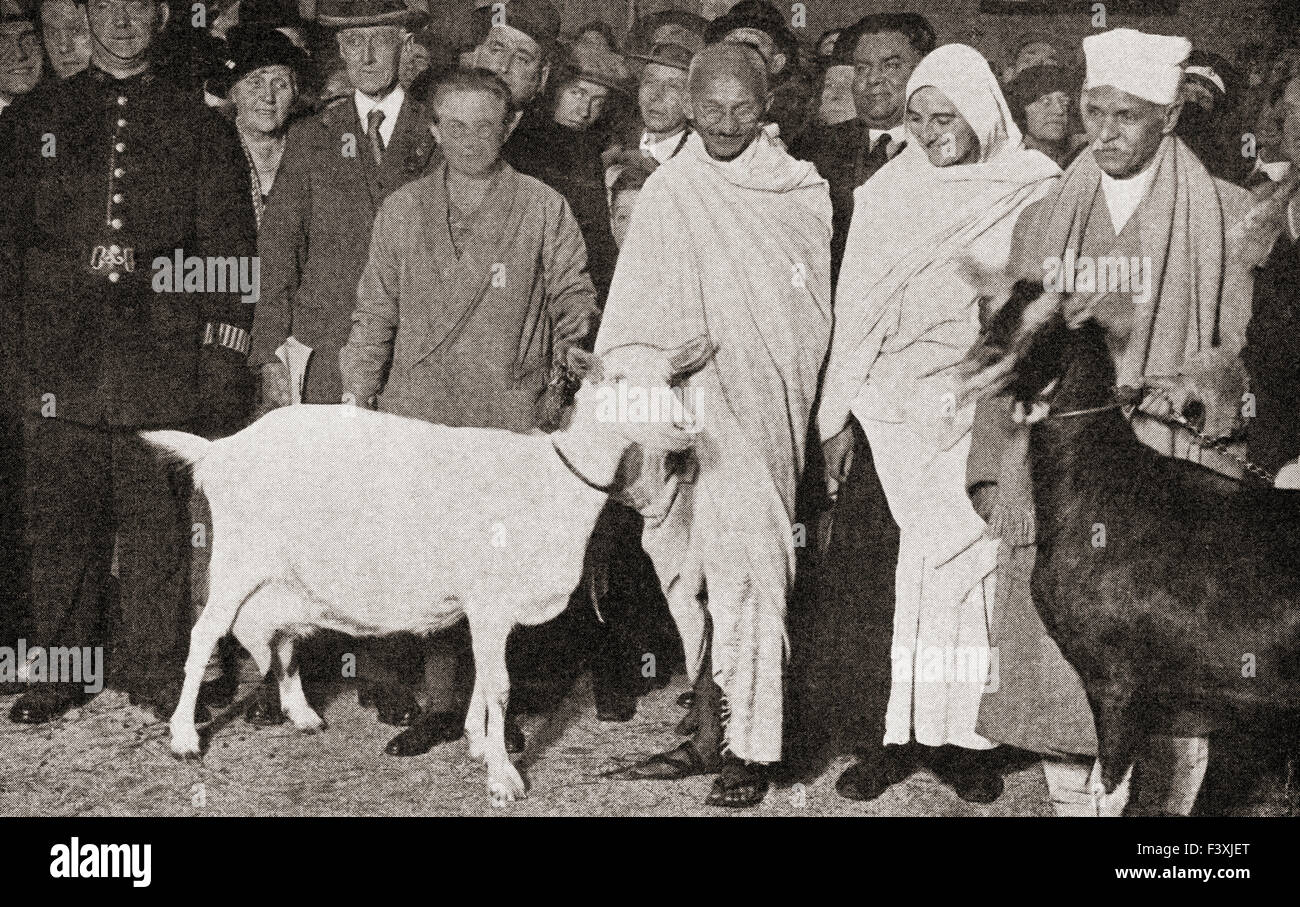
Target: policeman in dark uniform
[(19, 48), (110, 173)]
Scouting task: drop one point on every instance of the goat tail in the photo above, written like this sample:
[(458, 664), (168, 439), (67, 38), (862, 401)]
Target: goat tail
[(178, 447)]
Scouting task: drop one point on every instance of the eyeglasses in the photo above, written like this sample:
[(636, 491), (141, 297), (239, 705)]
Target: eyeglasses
[(483, 132), (354, 44), (27, 42), (745, 117)]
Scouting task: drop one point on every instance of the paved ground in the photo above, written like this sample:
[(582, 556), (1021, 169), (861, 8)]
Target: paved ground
[(110, 758)]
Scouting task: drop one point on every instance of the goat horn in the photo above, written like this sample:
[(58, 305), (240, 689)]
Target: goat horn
[(987, 382)]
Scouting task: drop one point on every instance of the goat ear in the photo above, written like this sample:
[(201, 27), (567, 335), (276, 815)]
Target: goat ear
[(1037, 314), (582, 364), (691, 356)]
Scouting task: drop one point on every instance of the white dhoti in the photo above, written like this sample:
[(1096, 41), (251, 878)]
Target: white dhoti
[(944, 591), (739, 251)]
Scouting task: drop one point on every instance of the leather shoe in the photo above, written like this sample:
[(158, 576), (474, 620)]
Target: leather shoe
[(972, 774), (219, 693), (45, 702), (875, 773), (161, 703), (396, 707), (265, 710), (428, 730), (433, 728)]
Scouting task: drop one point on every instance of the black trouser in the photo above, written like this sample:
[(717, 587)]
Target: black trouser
[(842, 616), (545, 660), (633, 607), (391, 665), (13, 547), (86, 485)]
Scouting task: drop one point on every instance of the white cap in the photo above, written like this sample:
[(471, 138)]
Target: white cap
[(1208, 73), (1146, 66)]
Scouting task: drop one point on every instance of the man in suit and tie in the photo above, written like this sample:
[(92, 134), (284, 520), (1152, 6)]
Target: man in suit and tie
[(883, 49), (338, 166)]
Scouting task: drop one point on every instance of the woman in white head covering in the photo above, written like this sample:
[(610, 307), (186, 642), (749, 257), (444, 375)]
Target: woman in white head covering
[(903, 315)]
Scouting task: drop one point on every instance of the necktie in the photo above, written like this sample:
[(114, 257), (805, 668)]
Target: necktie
[(872, 161), (373, 121), (879, 152)]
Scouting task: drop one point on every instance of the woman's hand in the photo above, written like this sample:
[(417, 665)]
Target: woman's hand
[(982, 498), (838, 453)]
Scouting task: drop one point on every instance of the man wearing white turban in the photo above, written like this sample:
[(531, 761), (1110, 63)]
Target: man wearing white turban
[(1137, 193), (903, 316)]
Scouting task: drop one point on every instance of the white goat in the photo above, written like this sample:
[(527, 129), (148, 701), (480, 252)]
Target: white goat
[(371, 523)]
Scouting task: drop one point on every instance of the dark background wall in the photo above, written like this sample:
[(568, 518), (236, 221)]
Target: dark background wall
[(1219, 25)]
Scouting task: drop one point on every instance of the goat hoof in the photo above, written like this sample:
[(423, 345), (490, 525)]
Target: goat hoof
[(185, 744), (311, 725), (187, 755), (505, 785), (501, 794)]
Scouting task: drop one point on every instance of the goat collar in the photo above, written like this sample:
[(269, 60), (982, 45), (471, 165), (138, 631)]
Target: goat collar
[(1121, 397), (1092, 410), (568, 464)]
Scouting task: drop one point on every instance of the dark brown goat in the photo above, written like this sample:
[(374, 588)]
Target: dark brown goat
[(1167, 586)]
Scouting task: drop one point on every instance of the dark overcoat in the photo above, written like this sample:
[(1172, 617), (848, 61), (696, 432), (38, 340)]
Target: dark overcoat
[(316, 232)]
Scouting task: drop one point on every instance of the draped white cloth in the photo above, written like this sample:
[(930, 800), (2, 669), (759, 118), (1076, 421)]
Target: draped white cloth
[(740, 251), (903, 316)]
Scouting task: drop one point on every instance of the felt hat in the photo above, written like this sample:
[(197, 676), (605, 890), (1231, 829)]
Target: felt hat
[(252, 47), (341, 14)]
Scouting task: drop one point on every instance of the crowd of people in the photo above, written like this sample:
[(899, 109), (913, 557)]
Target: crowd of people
[(421, 211)]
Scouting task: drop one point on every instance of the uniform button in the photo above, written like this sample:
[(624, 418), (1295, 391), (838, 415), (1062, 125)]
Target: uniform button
[(120, 146), (114, 277), (117, 198), (116, 223), (121, 100), (121, 123), (119, 173)]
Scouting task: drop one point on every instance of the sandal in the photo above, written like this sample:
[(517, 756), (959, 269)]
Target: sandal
[(740, 785), (683, 761)]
